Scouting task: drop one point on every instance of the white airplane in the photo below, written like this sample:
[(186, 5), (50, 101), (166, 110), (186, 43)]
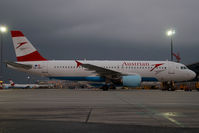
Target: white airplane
[(13, 85), (25, 86), (123, 73)]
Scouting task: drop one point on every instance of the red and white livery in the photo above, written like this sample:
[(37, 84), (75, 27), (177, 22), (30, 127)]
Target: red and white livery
[(25, 51), (124, 73)]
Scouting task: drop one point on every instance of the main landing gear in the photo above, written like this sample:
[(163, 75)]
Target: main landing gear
[(168, 86), (106, 87), (110, 84)]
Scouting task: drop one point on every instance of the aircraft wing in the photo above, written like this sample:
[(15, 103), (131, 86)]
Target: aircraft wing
[(18, 65), (100, 70)]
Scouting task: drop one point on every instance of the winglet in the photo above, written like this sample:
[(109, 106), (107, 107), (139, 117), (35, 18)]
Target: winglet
[(78, 63)]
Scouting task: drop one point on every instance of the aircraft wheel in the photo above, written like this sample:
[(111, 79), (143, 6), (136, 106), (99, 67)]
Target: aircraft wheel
[(112, 87), (105, 88)]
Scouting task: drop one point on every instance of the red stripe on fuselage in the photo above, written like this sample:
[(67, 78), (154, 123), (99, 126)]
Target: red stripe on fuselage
[(35, 56), (17, 34)]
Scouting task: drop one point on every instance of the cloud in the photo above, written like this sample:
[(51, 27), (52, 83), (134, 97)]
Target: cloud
[(105, 29)]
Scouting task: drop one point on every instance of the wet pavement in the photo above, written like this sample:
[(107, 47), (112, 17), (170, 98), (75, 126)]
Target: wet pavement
[(62, 110)]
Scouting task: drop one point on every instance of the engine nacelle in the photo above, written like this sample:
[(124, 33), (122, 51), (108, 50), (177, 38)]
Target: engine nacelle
[(131, 80)]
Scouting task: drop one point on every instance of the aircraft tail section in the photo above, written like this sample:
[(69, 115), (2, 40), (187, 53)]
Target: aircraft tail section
[(24, 50), (11, 83)]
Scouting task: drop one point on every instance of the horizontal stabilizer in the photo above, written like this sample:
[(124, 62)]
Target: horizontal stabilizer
[(18, 65)]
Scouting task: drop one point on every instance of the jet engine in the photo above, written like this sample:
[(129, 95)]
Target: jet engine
[(131, 80)]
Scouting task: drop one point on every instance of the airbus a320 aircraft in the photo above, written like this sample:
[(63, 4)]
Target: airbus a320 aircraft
[(117, 73)]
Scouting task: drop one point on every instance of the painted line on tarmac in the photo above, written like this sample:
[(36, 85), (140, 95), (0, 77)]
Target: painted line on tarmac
[(174, 121), (164, 115), (151, 112), (88, 116)]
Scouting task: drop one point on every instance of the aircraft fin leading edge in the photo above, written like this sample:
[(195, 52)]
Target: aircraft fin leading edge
[(24, 50)]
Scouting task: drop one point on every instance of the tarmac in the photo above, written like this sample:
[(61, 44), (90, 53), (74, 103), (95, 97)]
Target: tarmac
[(96, 111)]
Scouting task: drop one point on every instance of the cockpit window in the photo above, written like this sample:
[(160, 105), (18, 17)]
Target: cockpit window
[(183, 67)]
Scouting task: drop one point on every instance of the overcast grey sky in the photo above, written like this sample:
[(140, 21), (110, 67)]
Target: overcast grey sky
[(103, 29)]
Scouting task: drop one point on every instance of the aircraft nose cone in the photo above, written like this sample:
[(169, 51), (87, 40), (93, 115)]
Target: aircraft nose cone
[(192, 74)]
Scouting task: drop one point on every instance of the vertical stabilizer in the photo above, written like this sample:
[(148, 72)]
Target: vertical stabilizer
[(24, 50)]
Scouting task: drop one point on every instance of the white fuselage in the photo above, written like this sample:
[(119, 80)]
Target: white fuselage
[(148, 70), (129, 73)]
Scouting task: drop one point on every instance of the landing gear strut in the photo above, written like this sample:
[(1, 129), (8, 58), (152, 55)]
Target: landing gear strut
[(106, 87), (168, 86)]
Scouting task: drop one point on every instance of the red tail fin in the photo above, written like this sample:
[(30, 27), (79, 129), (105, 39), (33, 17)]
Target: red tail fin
[(24, 50)]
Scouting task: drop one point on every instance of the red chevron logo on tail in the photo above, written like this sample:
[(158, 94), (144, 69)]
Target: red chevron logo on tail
[(21, 44)]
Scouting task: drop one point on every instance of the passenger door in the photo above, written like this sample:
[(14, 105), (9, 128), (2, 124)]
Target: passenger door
[(44, 69), (171, 68)]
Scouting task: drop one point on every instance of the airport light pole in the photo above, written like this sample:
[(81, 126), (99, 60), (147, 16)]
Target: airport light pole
[(3, 29), (170, 34), (28, 79)]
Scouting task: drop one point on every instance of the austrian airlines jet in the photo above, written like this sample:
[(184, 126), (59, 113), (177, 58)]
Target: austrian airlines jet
[(123, 73), (24, 86)]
